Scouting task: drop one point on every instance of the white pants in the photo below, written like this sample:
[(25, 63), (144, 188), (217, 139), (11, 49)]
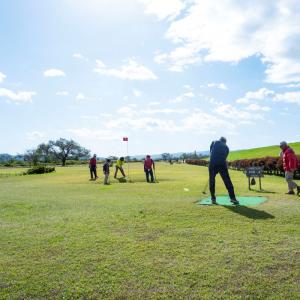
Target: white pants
[(106, 178), (289, 176)]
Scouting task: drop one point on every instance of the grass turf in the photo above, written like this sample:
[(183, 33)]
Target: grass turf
[(63, 236)]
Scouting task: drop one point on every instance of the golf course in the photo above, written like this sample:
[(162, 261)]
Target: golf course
[(65, 237)]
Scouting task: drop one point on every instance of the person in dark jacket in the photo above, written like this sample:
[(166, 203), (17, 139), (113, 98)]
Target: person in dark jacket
[(106, 171), (218, 155)]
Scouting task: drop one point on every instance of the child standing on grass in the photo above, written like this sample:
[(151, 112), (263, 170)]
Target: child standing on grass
[(106, 172)]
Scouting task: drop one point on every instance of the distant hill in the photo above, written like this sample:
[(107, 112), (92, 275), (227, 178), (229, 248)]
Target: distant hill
[(261, 152), (5, 157)]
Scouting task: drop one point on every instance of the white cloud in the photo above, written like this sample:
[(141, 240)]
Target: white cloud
[(35, 135), (80, 96), (166, 9), (17, 96), (100, 134), (80, 56), (62, 93), (2, 77), (242, 101), (257, 107), (293, 85), (264, 94), (154, 103), (179, 58), (221, 86), (127, 111), (183, 97), (261, 94), (132, 70), (230, 112), (193, 120), (289, 97), (54, 73), (165, 111), (143, 123), (137, 93), (230, 31), (203, 122)]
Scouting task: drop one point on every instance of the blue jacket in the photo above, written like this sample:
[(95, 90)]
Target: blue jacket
[(218, 153)]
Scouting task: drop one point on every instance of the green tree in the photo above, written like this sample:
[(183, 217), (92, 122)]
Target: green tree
[(45, 153), (64, 149), (32, 157)]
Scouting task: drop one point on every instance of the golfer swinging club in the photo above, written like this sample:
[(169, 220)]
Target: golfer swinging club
[(218, 154)]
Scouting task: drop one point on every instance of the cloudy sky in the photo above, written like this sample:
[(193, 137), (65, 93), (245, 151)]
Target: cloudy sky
[(172, 75)]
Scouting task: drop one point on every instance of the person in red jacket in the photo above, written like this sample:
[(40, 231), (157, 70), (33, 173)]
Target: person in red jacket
[(290, 165), (148, 168), (93, 167)]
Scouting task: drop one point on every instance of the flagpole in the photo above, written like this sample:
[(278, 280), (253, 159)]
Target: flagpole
[(127, 160)]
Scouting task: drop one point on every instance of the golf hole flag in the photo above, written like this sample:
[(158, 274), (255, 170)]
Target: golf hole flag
[(125, 139)]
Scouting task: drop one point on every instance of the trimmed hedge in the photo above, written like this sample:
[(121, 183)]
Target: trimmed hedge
[(197, 162), (39, 170), (271, 165)]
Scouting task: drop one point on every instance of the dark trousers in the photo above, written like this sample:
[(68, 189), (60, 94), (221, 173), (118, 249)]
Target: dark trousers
[(149, 172), (121, 170), (223, 170), (93, 171)]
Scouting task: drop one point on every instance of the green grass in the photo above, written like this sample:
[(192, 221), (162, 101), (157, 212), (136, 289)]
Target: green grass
[(261, 152), (64, 237)]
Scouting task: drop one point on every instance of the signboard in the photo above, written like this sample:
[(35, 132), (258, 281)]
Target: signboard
[(252, 172)]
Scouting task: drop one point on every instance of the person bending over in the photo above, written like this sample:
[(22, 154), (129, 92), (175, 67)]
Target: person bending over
[(119, 166)]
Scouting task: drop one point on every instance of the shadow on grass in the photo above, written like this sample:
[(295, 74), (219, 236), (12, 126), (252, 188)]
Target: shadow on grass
[(263, 191), (250, 213), (140, 180)]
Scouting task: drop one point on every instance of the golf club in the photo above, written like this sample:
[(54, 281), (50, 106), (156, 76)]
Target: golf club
[(155, 178), (205, 187)]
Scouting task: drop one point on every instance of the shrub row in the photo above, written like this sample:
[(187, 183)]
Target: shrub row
[(39, 170), (270, 165), (197, 162)]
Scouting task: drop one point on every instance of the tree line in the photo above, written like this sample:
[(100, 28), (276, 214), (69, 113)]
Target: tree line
[(60, 150)]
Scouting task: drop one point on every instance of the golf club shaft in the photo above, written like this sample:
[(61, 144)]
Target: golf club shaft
[(205, 187)]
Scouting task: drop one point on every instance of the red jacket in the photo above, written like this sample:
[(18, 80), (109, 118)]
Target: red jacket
[(93, 162), (148, 163), (290, 161)]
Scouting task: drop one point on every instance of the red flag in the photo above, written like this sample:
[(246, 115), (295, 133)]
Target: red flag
[(125, 139)]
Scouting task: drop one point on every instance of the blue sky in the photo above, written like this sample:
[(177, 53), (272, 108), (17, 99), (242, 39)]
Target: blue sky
[(171, 75)]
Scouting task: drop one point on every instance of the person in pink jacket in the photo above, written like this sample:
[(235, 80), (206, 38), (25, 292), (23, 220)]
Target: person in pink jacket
[(290, 165)]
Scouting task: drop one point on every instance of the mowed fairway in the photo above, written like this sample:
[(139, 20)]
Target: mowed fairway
[(63, 236)]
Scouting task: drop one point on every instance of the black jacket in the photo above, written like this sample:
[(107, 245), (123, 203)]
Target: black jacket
[(218, 153), (106, 168)]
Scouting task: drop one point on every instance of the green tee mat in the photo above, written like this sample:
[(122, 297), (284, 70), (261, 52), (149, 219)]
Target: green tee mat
[(225, 200)]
